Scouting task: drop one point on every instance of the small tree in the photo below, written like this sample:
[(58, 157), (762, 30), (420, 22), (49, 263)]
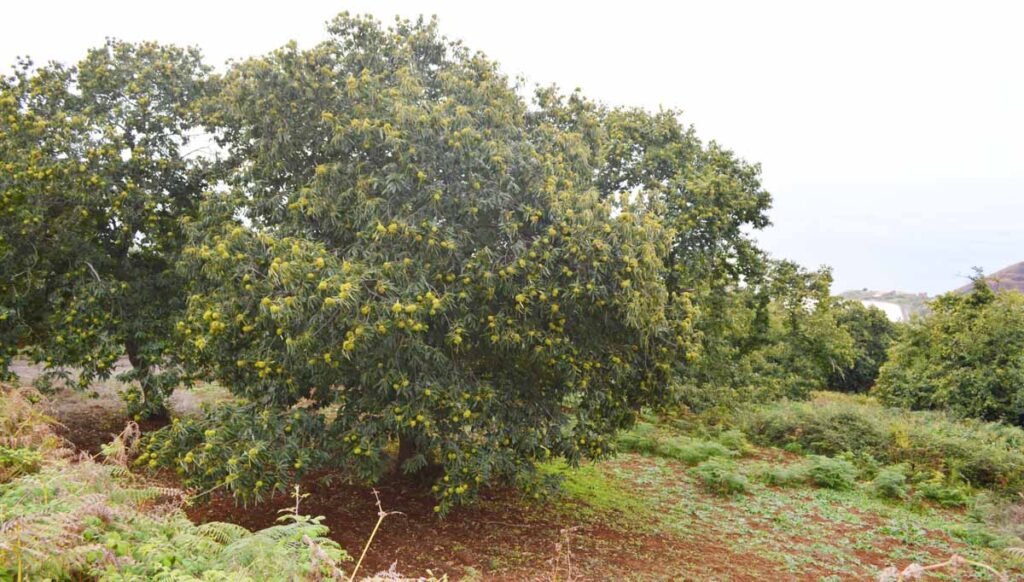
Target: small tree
[(418, 259), (93, 185), (966, 357)]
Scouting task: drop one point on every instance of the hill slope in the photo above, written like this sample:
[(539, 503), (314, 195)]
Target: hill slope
[(1011, 277)]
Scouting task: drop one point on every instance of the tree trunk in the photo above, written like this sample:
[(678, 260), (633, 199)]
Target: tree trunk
[(142, 372), (406, 450), (134, 358)]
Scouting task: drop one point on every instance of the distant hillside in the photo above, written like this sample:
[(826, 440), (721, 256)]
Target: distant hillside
[(1011, 277), (898, 305)]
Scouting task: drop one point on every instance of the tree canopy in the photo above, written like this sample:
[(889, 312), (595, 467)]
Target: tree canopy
[(96, 178), (966, 357)]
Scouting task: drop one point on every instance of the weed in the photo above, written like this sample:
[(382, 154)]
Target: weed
[(890, 483), (720, 477), (832, 473)]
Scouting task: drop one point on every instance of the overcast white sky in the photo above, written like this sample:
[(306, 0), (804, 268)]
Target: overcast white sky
[(890, 132)]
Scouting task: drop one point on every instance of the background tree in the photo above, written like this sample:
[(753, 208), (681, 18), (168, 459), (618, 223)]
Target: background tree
[(966, 357), (96, 178), (778, 337), (407, 255), (872, 334)]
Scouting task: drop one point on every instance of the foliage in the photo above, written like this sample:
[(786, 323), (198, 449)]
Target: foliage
[(94, 184), (252, 450), (26, 435), (890, 483), (817, 470), (872, 334), (931, 445), (966, 357), (647, 439), (792, 475), (421, 259), (775, 336), (944, 493), (720, 477), (831, 473), (85, 520)]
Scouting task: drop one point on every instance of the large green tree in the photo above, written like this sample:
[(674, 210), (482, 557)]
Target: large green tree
[(966, 357), (411, 253), (96, 177), (872, 333)]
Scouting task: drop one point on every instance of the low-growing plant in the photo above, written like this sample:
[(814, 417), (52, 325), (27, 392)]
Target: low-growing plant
[(735, 440), (86, 520), (944, 494), (890, 483), (989, 455), (720, 477), (694, 452), (642, 438), (793, 475), (645, 439), (18, 462), (831, 473)]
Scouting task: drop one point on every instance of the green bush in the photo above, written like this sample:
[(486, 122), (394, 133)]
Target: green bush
[(831, 473), (735, 440), (720, 477), (983, 454), (644, 438), (945, 494), (694, 452), (890, 483), (17, 462), (788, 476)]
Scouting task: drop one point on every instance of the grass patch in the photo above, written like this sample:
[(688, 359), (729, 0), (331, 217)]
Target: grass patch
[(603, 493)]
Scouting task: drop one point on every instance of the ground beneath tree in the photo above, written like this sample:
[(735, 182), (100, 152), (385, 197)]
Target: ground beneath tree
[(632, 518)]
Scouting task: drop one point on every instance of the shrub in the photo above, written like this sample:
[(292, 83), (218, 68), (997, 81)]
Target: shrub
[(890, 483), (983, 454), (642, 438), (694, 452), (831, 473), (86, 521), (944, 494), (824, 430), (720, 477), (17, 462), (26, 435), (735, 440), (792, 475)]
